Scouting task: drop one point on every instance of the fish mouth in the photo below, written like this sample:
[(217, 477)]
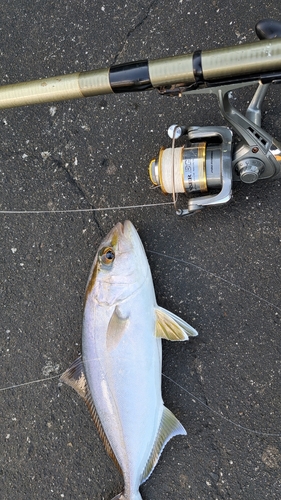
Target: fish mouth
[(119, 233), (126, 229), (125, 236)]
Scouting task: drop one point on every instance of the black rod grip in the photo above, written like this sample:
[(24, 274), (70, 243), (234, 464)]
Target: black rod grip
[(130, 77)]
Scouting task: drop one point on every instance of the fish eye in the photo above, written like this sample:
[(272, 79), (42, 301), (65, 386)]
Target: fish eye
[(107, 255)]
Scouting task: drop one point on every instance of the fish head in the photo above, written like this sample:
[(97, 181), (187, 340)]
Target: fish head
[(120, 266)]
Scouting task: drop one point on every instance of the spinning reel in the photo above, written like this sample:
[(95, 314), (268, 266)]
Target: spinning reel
[(212, 162)]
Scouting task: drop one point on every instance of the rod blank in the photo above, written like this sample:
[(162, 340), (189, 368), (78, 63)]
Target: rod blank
[(200, 68)]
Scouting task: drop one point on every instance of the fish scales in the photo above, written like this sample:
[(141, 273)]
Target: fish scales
[(119, 375)]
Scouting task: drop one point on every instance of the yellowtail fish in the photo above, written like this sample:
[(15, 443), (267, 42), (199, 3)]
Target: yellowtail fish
[(119, 373)]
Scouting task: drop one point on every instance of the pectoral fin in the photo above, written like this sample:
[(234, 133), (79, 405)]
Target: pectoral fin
[(117, 327), (169, 427), (171, 327)]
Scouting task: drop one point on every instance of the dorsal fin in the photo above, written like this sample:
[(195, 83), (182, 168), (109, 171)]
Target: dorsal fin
[(170, 327), (92, 409), (168, 428), (76, 378)]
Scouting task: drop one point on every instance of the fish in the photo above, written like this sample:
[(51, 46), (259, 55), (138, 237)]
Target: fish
[(119, 372)]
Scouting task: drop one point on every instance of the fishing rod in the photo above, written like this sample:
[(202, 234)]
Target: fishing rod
[(211, 162)]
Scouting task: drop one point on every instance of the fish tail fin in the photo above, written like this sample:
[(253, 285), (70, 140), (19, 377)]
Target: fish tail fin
[(122, 496)]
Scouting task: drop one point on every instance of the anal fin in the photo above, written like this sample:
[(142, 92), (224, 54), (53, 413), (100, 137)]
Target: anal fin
[(169, 427)]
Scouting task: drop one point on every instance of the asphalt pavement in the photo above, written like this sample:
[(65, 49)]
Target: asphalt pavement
[(69, 172)]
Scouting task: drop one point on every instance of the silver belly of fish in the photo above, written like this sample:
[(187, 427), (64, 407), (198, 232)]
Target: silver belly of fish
[(119, 374)]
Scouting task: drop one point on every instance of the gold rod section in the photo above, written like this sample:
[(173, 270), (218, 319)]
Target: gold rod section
[(252, 58), (57, 88), (171, 70), (256, 58)]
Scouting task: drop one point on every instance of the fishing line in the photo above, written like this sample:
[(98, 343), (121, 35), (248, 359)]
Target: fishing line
[(28, 383), (260, 433), (216, 276), (126, 207)]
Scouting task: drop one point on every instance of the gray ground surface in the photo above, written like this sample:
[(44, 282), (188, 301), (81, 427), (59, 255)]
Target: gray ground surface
[(219, 270)]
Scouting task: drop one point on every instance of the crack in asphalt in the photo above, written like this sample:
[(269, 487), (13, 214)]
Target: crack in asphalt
[(80, 188), (132, 30), (71, 179)]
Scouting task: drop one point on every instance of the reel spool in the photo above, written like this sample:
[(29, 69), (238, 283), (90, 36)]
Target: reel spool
[(196, 168), (203, 166)]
